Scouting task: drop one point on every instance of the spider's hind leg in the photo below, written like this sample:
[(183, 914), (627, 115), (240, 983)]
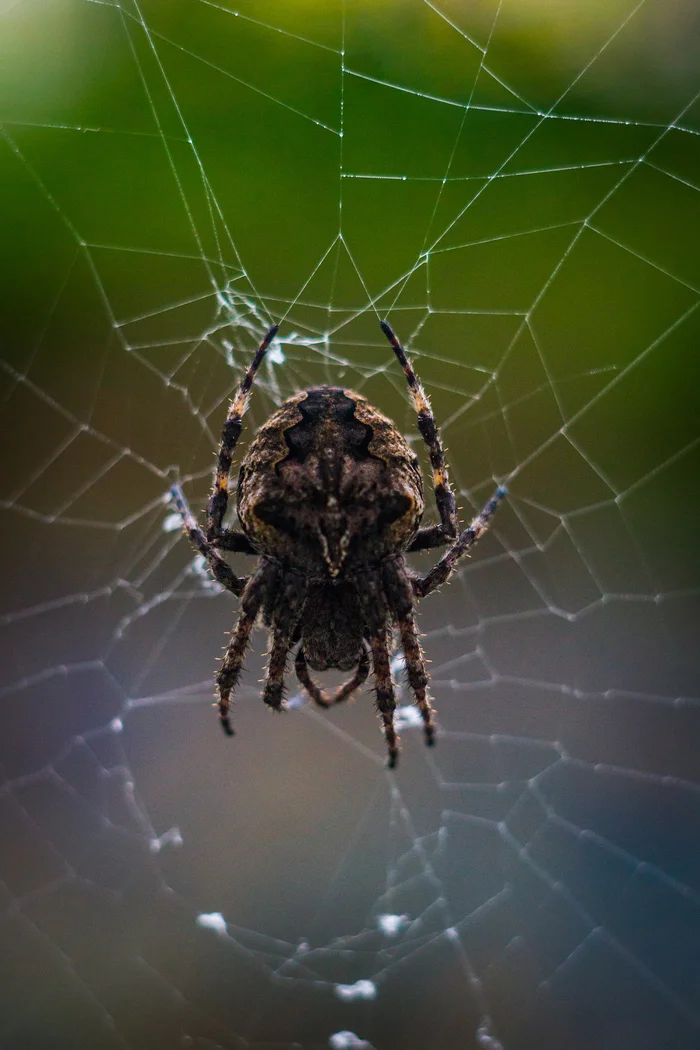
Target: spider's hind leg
[(232, 664), (400, 593), (386, 700), (417, 675), (273, 693), (281, 612)]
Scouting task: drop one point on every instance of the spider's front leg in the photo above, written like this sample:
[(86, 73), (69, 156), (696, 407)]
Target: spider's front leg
[(429, 535), (447, 564), (233, 426)]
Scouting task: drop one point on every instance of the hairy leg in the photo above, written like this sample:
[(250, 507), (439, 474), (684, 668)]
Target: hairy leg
[(273, 693), (220, 570), (375, 614), (446, 566), (281, 608), (229, 438), (386, 701), (400, 594), (232, 664), (233, 540), (427, 538), (431, 535)]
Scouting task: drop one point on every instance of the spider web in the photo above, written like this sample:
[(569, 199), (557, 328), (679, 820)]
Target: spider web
[(515, 187)]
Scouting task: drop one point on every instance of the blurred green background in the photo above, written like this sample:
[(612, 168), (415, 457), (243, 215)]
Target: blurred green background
[(515, 186)]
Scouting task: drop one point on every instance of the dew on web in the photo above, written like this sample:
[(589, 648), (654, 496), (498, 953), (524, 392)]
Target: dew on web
[(533, 881)]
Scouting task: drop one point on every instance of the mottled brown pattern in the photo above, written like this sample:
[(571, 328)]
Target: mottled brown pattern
[(330, 497)]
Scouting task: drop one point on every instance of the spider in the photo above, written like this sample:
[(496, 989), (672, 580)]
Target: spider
[(330, 498)]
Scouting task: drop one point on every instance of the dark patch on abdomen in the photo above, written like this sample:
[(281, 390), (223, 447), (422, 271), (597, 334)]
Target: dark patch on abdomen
[(328, 409)]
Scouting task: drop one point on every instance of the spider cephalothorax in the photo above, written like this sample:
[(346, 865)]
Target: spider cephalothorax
[(330, 497)]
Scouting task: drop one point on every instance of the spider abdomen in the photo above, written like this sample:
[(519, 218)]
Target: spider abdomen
[(331, 626), (329, 485)]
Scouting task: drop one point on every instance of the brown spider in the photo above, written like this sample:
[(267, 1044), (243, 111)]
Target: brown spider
[(330, 497)]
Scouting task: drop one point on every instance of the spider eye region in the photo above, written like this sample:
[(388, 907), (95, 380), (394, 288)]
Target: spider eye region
[(329, 485)]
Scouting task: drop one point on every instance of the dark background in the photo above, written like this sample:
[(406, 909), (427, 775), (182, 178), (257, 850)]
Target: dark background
[(515, 185)]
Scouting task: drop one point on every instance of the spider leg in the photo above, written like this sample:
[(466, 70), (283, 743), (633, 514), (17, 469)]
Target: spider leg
[(428, 537), (444, 568), (386, 700), (400, 594), (431, 535), (417, 675), (233, 540), (220, 570), (320, 696), (229, 438), (273, 693), (281, 612), (375, 613), (232, 664)]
